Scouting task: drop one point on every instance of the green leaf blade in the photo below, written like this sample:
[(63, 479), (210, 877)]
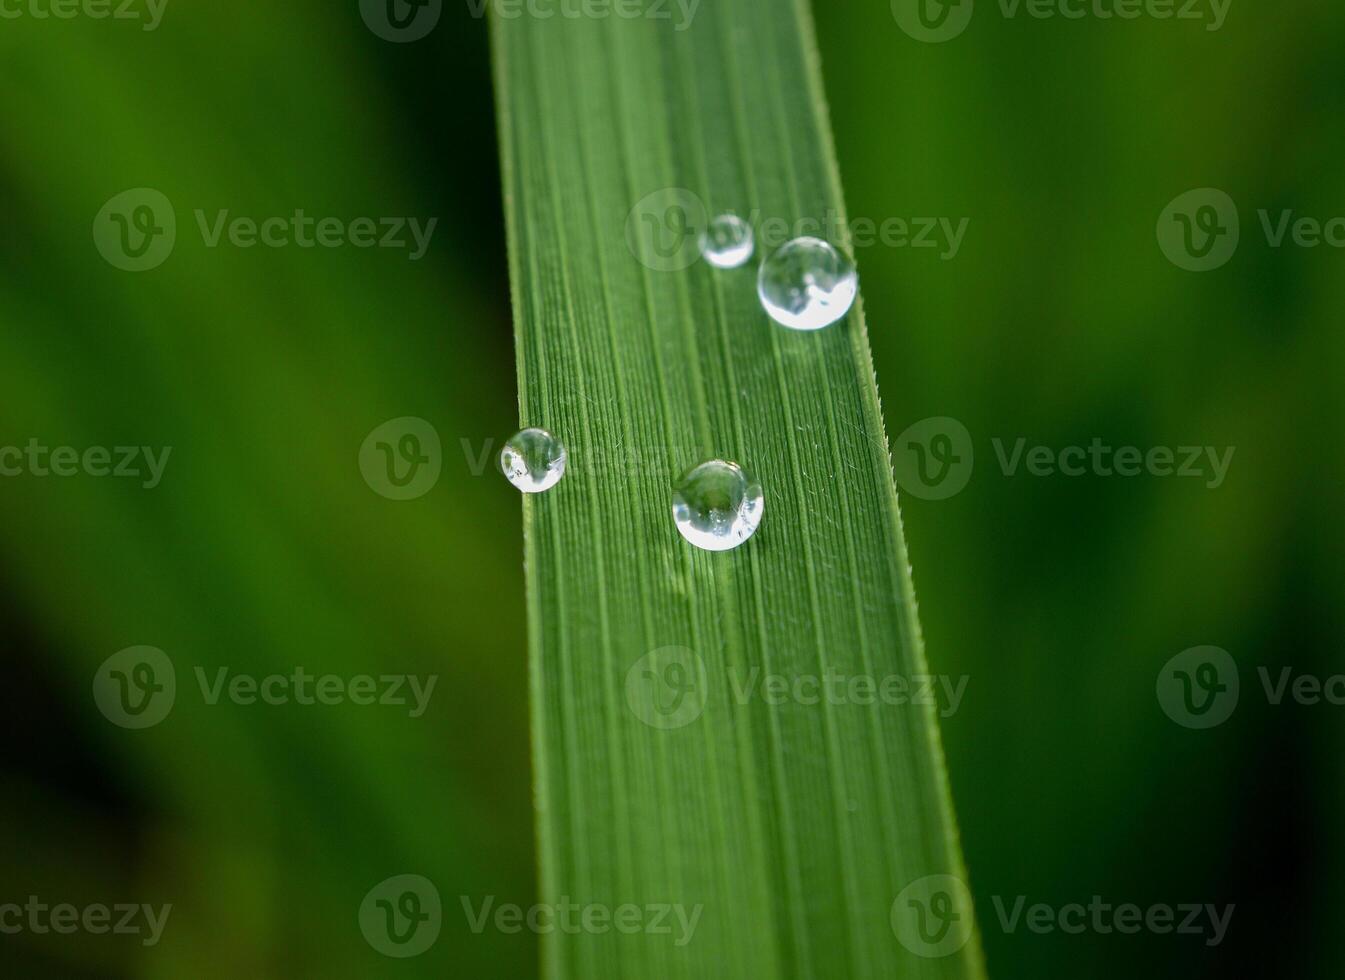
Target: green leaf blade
[(793, 826)]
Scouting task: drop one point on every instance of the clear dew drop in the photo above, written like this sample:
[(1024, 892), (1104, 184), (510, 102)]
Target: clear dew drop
[(807, 284), (534, 460), (727, 241), (716, 506)]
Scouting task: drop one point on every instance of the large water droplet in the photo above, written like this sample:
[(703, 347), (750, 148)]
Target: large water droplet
[(716, 506), (807, 284), (727, 241), (534, 460)]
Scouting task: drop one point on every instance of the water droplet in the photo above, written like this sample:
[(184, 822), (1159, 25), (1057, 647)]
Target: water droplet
[(727, 241), (534, 460), (716, 506), (807, 284)]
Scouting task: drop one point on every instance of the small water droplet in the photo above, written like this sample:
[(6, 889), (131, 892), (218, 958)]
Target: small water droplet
[(716, 506), (534, 460), (807, 284), (727, 241)]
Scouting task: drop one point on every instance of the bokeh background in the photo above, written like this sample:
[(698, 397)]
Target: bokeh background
[(1059, 321)]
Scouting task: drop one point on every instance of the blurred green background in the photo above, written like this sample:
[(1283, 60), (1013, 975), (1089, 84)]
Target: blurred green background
[(1059, 320)]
